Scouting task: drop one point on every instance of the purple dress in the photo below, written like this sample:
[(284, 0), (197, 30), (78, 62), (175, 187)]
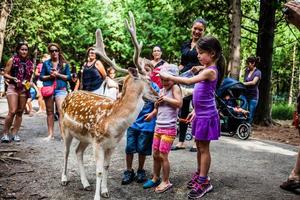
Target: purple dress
[(206, 124)]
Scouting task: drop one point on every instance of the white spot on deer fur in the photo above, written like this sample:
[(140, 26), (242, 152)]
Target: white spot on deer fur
[(72, 121)]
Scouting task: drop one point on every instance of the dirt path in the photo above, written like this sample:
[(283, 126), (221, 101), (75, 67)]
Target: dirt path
[(250, 169)]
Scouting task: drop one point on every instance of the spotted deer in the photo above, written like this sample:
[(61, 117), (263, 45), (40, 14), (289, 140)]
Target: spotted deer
[(99, 120)]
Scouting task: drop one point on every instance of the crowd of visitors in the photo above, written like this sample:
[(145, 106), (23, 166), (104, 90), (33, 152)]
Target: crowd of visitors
[(155, 129)]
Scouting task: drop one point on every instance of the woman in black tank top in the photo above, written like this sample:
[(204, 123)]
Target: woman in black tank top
[(93, 73)]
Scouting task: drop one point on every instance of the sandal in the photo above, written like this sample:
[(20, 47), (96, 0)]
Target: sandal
[(164, 189), (150, 183), (174, 148), (290, 185)]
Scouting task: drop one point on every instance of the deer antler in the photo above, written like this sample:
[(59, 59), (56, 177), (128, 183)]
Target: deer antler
[(137, 46), (99, 49)]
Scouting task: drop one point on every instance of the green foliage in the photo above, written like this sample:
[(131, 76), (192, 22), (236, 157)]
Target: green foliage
[(282, 111), (73, 23)]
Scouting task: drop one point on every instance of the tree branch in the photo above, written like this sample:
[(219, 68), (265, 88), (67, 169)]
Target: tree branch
[(247, 17), (251, 40), (247, 29)]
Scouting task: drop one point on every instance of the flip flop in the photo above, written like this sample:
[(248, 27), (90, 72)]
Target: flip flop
[(193, 149), (167, 187), (174, 148)]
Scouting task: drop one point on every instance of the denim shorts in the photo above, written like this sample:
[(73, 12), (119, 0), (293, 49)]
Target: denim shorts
[(60, 93), (139, 142)]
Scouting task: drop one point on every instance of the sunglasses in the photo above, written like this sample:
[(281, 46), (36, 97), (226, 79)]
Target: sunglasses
[(54, 50)]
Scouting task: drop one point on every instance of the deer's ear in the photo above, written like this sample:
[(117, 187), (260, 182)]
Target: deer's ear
[(133, 71)]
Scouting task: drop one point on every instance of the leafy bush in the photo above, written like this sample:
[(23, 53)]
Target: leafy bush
[(282, 111)]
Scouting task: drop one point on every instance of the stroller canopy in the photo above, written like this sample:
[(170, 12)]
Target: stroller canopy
[(230, 84)]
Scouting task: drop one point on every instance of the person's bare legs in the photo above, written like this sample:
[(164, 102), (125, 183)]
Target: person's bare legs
[(141, 159), (165, 169), (41, 102), (203, 157), (12, 100), (156, 165), (58, 101), (49, 102), (295, 173), (19, 113), (129, 159)]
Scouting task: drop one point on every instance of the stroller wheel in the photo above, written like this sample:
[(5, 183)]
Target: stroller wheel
[(243, 131), (188, 137)]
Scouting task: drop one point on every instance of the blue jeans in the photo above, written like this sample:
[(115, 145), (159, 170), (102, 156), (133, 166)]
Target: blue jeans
[(250, 105), (139, 142)]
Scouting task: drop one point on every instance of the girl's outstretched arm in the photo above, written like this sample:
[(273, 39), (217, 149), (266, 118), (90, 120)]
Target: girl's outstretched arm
[(206, 74)]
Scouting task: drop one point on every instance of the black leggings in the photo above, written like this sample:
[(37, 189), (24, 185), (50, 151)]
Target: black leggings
[(185, 109)]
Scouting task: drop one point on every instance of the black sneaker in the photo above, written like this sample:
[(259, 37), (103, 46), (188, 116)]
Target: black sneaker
[(128, 177), (140, 176)]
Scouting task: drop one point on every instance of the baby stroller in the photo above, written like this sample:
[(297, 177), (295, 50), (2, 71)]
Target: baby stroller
[(232, 122)]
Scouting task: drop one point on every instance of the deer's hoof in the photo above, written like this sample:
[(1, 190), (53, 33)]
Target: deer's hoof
[(88, 188), (105, 194), (64, 183)]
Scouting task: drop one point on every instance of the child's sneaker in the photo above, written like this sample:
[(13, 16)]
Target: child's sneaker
[(5, 139), (140, 176), (128, 177), (193, 180), (200, 190), (16, 138)]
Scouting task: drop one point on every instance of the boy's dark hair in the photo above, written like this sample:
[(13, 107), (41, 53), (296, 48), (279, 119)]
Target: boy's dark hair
[(212, 45)]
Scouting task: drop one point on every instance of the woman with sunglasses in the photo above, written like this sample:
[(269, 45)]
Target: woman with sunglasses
[(55, 71), (18, 71), (93, 73)]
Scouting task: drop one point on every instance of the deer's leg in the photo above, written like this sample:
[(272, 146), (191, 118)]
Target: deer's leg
[(67, 140), (99, 157), (79, 152), (107, 157)]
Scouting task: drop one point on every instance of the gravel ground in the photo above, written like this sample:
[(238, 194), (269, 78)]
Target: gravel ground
[(251, 169)]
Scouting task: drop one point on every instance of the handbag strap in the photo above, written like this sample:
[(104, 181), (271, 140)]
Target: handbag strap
[(54, 83)]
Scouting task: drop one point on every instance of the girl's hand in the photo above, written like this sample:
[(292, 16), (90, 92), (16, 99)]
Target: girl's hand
[(196, 69), (16, 80), (160, 100), (190, 117), (164, 75), (148, 117)]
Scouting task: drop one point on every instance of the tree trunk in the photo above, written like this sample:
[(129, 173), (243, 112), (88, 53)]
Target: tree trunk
[(234, 62), (291, 93), (264, 50), (6, 9)]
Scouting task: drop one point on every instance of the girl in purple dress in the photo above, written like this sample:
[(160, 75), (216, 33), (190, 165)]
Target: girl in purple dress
[(205, 119)]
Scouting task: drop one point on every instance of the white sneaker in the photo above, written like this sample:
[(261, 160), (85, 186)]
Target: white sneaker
[(5, 139), (16, 138)]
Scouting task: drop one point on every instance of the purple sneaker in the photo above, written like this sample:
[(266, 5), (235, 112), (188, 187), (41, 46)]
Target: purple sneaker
[(200, 190), (194, 179)]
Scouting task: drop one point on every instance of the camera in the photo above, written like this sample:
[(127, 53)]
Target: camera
[(286, 10)]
